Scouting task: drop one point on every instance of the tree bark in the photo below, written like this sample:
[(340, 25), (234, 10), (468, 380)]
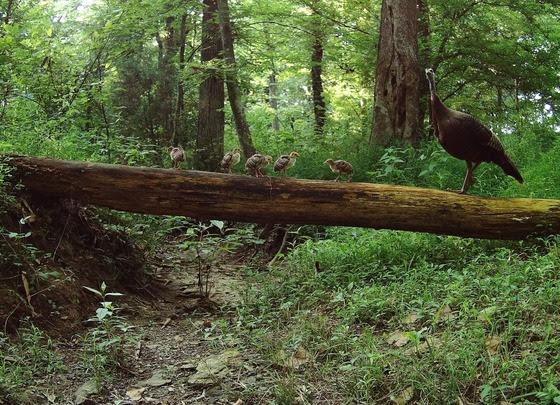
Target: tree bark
[(234, 93), (292, 201), (210, 132), (167, 78), (397, 84), (273, 100), (319, 106), (424, 62), (178, 118)]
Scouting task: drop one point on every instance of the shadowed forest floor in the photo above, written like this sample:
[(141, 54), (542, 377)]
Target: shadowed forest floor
[(179, 351)]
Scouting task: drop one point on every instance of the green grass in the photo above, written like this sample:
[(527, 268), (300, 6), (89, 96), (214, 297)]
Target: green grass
[(463, 292), (32, 357)]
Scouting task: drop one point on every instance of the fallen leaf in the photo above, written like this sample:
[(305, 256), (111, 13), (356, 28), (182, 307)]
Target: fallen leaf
[(165, 323), (405, 396), (398, 339), (156, 380), (50, 397), (486, 314), (492, 343), (238, 402), (135, 394), (444, 314), (187, 366), (212, 369), (411, 318), (86, 389), (298, 359)]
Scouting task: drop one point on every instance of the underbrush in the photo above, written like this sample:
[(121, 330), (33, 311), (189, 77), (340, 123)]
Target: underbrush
[(31, 358), (388, 315)]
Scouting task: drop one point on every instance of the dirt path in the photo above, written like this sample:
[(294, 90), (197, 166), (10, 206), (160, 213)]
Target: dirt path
[(184, 350)]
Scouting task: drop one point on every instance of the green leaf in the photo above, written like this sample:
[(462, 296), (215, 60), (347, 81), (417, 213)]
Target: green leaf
[(93, 290), (218, 224), (102, 313)]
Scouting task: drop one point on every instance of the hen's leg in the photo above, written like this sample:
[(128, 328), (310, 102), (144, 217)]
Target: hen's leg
[(468, 179)]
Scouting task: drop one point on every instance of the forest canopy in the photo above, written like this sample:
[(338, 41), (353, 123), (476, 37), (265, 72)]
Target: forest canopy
[(118, 82)]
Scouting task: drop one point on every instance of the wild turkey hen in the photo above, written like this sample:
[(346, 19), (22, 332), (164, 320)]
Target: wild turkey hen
[(340, 167), (284, 162), (177, 155), (230, 159), (465, 138), (256, 163)]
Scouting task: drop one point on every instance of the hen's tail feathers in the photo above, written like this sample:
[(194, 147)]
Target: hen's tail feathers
[(509, 168)]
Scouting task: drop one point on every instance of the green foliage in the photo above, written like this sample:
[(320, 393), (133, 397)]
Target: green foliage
[(99, 83), (462, 294), (104, 344), (542, 177), (33, 356)]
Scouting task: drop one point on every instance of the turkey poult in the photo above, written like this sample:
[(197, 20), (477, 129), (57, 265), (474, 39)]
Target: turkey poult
[(284, 162), (465, 138), (256, 163), (230, 159), (177, 155), (340, 167)]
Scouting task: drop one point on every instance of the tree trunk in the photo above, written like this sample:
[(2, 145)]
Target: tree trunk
[(273, 100), (317, 82), (292, 201), (178, 126), (9, 11), (424, 62), (210, 133), (397, 84), (165, 94), (234, 93)]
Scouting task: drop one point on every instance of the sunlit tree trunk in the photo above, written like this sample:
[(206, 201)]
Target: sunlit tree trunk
[(234, 92), (210, 132), (397, 86), (317, 82), (273, 100), (167, 80)]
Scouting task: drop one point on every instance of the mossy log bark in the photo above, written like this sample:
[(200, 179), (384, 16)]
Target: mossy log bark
[(207, 195)]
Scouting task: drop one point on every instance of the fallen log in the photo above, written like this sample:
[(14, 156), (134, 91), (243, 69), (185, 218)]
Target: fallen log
[(205, 195)]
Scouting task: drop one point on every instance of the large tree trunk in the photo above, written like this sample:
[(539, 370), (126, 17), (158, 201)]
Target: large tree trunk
[(397, 84), (210, 133), (424, 61), (319, 107), (242, 198), (234, 93), (178, 126)]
